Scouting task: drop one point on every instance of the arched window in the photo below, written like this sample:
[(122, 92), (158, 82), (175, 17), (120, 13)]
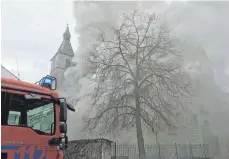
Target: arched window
[(67, 64)]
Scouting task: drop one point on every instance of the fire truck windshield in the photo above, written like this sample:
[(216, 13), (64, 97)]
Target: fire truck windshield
[(37, 114)]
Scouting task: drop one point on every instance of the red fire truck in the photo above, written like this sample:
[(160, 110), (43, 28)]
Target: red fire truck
[(34, 120)]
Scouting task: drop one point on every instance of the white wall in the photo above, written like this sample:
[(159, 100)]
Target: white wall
[(7, 74)]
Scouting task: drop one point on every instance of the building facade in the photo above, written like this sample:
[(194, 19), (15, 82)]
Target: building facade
[(62, 59)]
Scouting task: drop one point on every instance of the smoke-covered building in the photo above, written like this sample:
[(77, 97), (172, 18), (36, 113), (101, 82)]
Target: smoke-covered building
[(62, 59), (211, 140)]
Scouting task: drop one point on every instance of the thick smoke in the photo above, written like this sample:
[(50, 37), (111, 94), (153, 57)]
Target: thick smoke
[(205, 23), (201, 26), (92, 19)]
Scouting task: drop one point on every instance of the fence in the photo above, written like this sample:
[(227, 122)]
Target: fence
[(160, 152), (105, 149)]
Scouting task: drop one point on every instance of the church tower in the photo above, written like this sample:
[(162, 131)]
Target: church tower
[(62, 59)]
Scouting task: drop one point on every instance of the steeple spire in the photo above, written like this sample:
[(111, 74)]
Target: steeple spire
[(66, 47), (67, 34)]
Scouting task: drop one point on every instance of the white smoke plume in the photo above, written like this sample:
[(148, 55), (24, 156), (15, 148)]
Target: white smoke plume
[(92, 19), (202, 26)]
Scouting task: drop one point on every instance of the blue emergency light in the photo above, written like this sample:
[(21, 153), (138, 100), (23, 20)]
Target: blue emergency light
[(48, 82)]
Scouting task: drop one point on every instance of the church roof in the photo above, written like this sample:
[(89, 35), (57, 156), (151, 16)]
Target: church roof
[(65, 47)]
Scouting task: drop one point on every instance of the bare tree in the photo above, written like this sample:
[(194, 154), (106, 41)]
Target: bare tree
[(139, 78)]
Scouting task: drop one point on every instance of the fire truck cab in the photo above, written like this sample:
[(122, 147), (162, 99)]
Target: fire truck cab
[(34, 120)]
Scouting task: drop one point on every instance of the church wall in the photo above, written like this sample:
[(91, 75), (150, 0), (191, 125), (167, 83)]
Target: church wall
[(60, 78), (53, 64), (59, 62)]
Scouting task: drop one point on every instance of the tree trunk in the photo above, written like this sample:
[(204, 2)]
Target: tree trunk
[(159, 147), (141, 148)]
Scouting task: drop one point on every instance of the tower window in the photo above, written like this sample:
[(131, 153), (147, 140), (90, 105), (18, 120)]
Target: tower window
[(67, 64)]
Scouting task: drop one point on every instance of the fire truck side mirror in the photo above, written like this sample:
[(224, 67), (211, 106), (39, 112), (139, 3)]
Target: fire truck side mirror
[(63, 128), (70, 107), (63, 112)]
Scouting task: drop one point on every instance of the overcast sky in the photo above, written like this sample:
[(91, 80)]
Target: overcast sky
[(32, 33)]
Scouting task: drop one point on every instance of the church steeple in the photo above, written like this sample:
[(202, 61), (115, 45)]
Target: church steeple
[(62, 59)]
